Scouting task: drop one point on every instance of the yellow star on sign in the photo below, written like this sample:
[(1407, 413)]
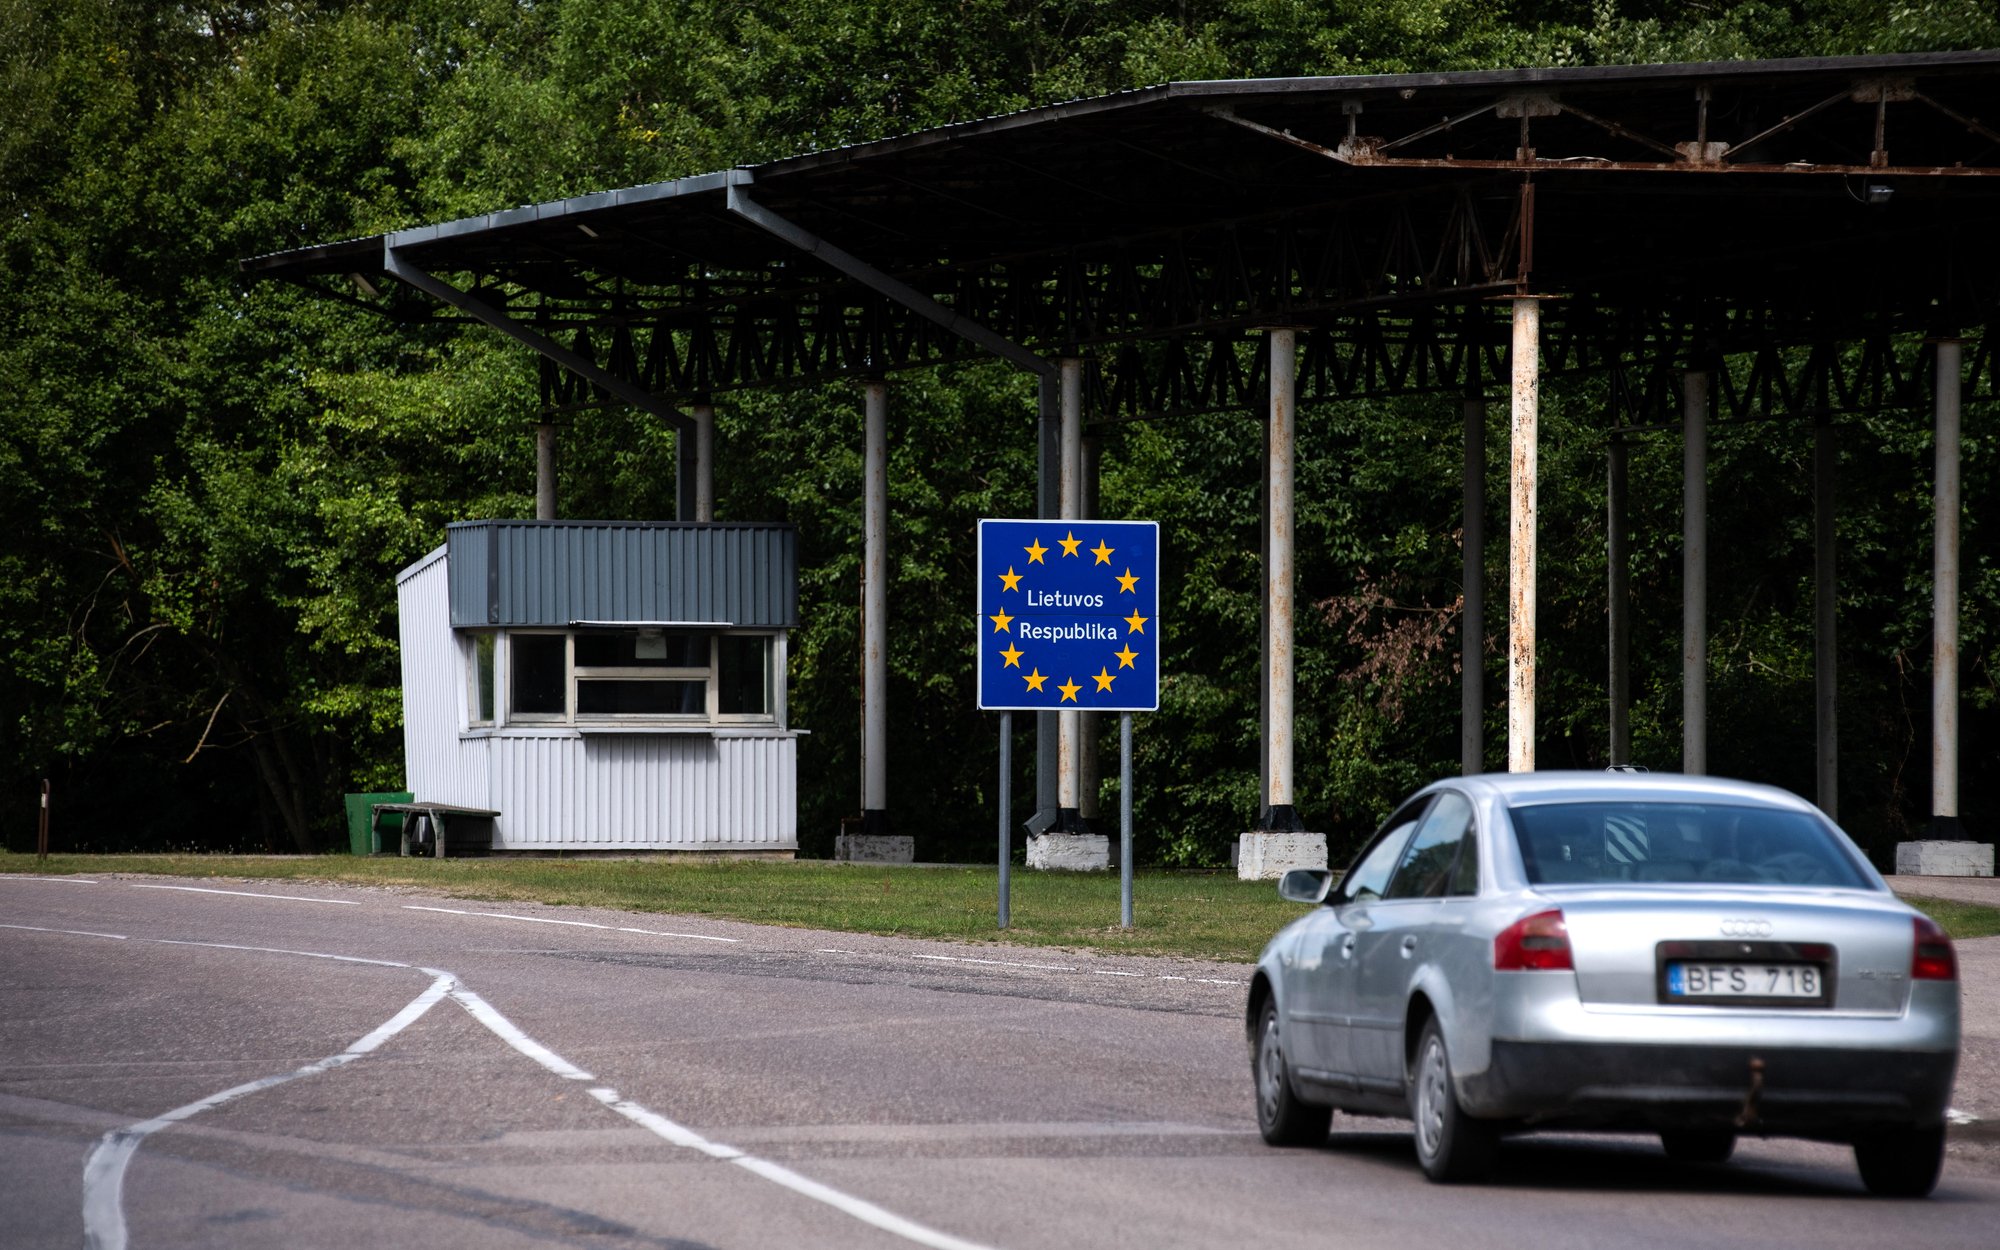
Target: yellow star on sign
[(1103, 553), (1034, 679), (1103, 679), (1126, 656), (1035, 552), (1128, 584), (1002, 621), (1069, 691), (1010, 579), (1070, 544), (1137, 622), (1012, 655)]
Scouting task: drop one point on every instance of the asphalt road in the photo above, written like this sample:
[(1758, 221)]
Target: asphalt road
[(187, 1064)]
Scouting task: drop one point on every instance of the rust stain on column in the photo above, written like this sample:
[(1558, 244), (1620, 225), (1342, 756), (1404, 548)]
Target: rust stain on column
[(1279, 579), (1526, 400)]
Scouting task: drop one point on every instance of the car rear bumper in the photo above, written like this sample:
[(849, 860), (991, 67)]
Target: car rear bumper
[(1806, 1091)]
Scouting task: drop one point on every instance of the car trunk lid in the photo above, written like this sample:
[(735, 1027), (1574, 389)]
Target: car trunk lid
[(1739, 949)]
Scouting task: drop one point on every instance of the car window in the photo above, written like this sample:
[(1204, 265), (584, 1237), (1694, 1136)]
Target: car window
[(1593, 843), (1465, 874), (1370, 874), (1426, 871)]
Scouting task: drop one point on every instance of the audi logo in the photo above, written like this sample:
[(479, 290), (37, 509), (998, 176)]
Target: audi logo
[(1746, 928)]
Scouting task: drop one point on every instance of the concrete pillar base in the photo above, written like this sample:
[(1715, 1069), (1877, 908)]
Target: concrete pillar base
[(1070, 852), (874, 848), (1944, 859), (1268, 856)]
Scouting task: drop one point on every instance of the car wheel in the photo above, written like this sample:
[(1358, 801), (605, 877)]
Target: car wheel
[(1901, 1163), (1698, 1145), (1451, 1145), (1281, 1117)]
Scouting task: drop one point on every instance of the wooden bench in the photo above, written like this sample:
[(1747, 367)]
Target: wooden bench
[(440, 817)]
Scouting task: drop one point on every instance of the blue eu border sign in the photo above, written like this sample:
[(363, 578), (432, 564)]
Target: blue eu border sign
[(1069, 615)]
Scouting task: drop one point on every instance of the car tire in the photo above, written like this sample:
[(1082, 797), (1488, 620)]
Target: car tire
[(1451, 1145), (1901, 1163), (1698, 1145), (1282, 1117)]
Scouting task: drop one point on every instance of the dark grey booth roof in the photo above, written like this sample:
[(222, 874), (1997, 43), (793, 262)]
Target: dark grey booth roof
[(553, 574)]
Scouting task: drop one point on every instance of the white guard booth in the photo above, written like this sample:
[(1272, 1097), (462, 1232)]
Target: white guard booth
[(607, 686)]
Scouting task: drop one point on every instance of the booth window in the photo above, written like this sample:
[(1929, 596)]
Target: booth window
[(743, 675), (642, 672), (596, 675), (483, 646), (537, 678)]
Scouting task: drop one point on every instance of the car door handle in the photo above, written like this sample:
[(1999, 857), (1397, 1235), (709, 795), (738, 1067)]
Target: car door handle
[(1409, 947), (1347, 947)]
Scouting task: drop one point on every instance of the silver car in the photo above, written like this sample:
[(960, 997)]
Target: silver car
[(1686, 956)]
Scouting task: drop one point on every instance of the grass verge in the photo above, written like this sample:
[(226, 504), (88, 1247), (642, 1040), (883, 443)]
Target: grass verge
[(1196, 916), (1961, 920)]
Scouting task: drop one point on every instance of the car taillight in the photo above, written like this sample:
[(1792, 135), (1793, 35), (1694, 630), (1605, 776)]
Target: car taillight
[(1537, 943), (1932, 959)]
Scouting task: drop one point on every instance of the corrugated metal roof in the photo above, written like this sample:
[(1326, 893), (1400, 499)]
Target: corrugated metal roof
[(557, 573), (1662, 195)]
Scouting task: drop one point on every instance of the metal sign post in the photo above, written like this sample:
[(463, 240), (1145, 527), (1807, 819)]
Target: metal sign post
[(1006, 811), (1069, 621), (42, 826), (1125, 819)]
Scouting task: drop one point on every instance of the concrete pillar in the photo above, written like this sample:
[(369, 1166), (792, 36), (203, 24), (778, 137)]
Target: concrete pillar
[(1472, 620), (1948, 852), (1087, 771), (875, 611), (545, 471), (1525, 446), (1048, 503), (1067, 841), (1617, 601), (1280, 814), (1280, 841), (873, 842), (1944, 598), (1068, 728), (1826, 592), (1694, 572), (704, 461)]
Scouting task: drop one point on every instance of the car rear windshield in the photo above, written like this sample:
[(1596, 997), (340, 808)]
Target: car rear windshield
[(1602, 843)]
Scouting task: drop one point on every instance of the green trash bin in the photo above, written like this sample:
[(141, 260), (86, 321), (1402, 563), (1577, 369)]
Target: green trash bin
[(360, 808)]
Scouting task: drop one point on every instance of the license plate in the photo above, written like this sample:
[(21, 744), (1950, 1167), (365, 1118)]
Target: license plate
[(1688, 980)]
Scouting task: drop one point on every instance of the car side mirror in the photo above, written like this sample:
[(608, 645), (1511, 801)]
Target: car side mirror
[(1304, 885)]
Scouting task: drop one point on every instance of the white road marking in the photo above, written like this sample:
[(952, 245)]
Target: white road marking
[(995, 963), (682, 1136), (859, 1208), (35, 928), (1012, 963), (575, 924), (699, 937), (280, 950), (289, 898), (503, 1028), (13, 876), (104, 1172), (1955, 1116)]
